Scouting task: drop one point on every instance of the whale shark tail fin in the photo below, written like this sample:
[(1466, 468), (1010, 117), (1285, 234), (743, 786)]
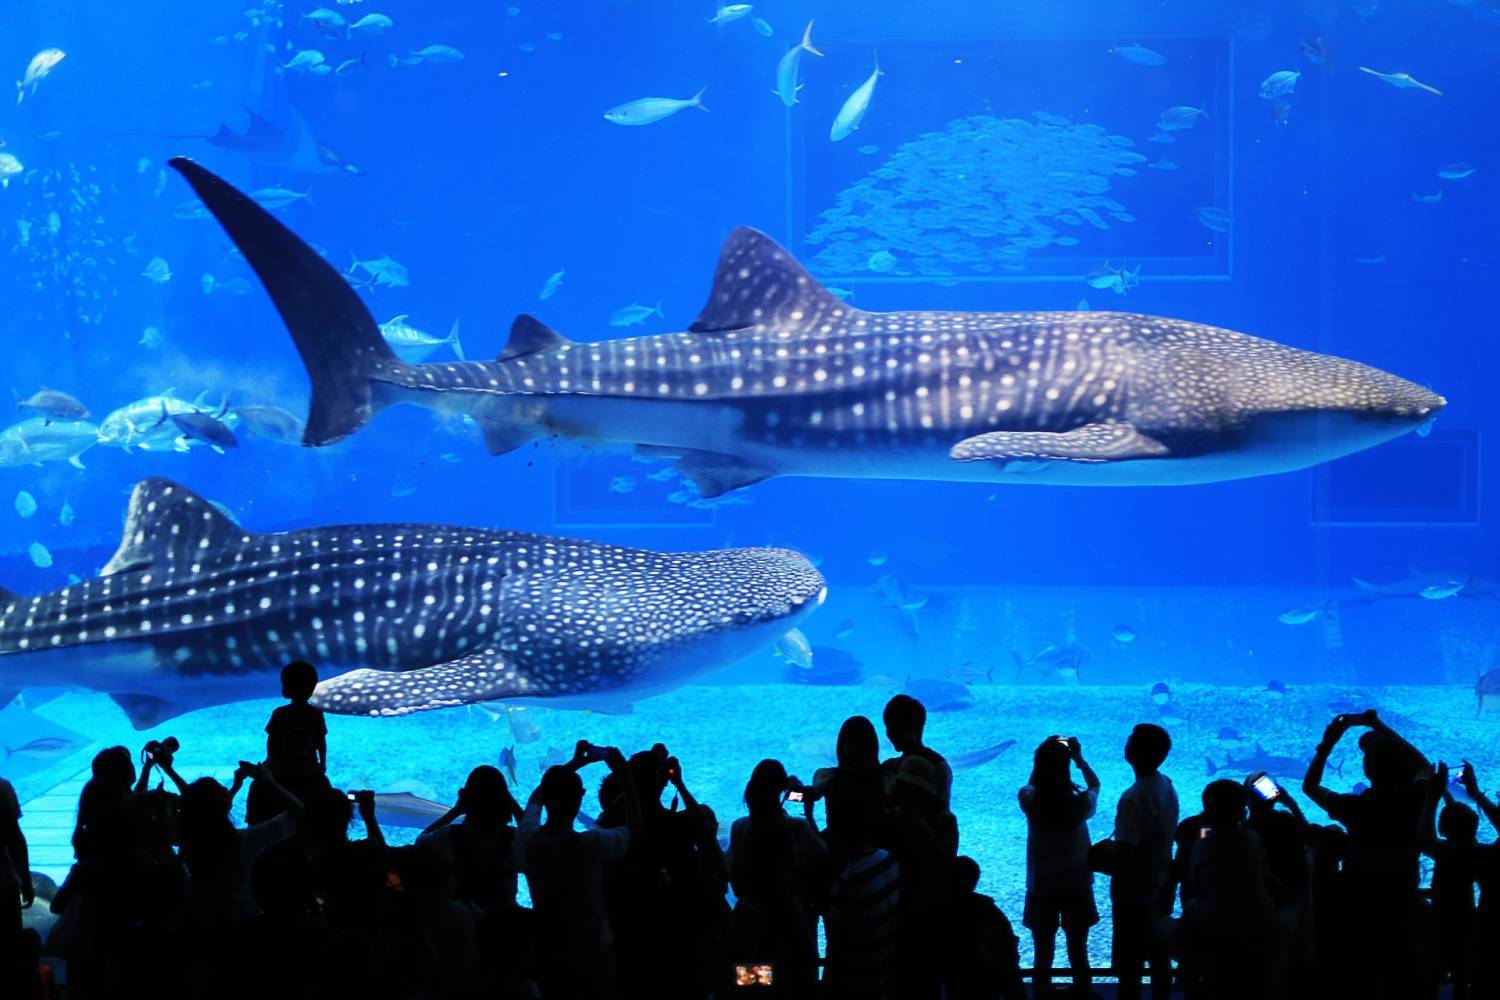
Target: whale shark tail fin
[(338, 339), (167, 523), (759, 282)]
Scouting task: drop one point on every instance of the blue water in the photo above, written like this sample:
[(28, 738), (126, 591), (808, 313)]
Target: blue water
[(486, 175)]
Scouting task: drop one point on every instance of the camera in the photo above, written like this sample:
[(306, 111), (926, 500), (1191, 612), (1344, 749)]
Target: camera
[(794, 795), (163, 748)]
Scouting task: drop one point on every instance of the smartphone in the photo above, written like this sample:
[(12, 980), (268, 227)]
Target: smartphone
[(1265, 786), (754, 975), (351, 796), (1204, 831), (795, 795), (1456, 774)]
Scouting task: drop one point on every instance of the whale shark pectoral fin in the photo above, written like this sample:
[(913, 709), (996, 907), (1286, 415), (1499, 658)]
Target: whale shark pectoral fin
[(501, 436), (145, 711), (482, 675), (1090, 443), (759, 282), (712, 472)]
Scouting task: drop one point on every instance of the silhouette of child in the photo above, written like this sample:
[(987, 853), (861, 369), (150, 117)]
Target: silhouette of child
[(296, 745), (1457, 861), (296, 736)]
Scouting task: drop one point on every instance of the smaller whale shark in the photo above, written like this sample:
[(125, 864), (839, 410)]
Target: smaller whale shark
[(193, 610)]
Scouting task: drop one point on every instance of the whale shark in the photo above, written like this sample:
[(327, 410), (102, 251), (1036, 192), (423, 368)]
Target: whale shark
[(193, 610), (777, 376)]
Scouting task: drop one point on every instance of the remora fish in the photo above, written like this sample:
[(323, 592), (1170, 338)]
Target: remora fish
[(192, 610), (777, 376)]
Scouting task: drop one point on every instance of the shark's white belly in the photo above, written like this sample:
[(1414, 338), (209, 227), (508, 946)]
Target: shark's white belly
[(1282, 444)]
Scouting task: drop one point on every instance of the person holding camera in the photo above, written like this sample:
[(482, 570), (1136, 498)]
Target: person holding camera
[(219, 856), (1059, 882), (1378, 883), (481, 846), (1225, 935), (778, 867), (565, 871)]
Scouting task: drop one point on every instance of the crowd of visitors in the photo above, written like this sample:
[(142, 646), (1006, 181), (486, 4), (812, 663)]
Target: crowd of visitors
[(1246, 898)]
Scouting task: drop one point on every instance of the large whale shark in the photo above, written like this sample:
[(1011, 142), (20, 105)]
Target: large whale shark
[(777, 376), (192, 610)]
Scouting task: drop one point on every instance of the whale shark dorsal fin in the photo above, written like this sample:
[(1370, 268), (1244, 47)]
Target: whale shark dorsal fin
[(758, 281), (529, 335), (165, 522)]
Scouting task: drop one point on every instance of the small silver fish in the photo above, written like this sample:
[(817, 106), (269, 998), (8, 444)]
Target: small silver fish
[(854, 109), (650, 110), (551, 285), (634, 315), (1279, 84), (729, 13)]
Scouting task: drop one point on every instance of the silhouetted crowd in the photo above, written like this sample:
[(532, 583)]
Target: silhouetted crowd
[(169, 898)]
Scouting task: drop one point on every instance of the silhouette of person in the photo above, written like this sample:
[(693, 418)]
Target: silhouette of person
[(15, 863), (1457, 860), (1283, 833), (1380, 870), (481, 848), (1140, 888), (905, 719), (864, 902), (1226, 927), (778, 868), (565, 871), (296, 745), (982, 955), (1485, 976), (221, 857), (1059, 882), (856, 772)]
